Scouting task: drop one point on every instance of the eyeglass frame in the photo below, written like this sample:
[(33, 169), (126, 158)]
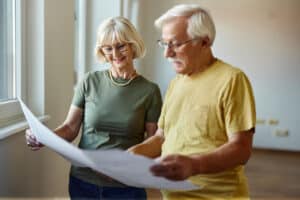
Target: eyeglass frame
[(174, 46), (117, 47)]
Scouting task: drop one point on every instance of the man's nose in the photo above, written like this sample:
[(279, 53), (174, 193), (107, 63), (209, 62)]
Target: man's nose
[(168, 52)]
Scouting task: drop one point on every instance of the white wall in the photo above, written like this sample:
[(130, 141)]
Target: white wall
[(260, 37), (97, 11), (264, 41), (153, 66)]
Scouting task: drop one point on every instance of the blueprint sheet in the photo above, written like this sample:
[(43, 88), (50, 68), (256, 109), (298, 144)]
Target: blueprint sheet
[(129, 169)]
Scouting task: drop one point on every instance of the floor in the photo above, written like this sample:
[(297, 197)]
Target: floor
[(272, 175)]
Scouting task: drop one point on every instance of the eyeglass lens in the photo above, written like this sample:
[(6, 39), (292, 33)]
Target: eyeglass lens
[(107, 49)]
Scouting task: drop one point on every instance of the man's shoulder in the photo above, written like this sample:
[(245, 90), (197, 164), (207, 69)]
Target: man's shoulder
[(229, 70)]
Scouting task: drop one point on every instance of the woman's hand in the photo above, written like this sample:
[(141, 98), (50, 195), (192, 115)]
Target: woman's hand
[(32, 142)]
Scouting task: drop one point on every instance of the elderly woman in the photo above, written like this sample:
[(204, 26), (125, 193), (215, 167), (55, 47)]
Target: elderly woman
[(116, 108)]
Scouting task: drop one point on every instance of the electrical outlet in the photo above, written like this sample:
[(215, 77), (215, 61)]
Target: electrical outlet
[(260, 121), (273, 121), (281, 132)]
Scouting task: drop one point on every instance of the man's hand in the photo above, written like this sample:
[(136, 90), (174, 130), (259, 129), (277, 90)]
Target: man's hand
[(174, 167)]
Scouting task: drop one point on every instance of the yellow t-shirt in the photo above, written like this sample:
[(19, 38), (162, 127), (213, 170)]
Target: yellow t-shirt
[(198, 114)]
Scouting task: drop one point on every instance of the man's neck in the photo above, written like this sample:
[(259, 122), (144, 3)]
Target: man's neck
[(205, 63)]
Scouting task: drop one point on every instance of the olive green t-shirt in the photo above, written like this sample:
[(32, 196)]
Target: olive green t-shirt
[(114, 116)]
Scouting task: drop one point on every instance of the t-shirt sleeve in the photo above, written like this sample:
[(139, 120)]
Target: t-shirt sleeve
[(154, 107), (161, 121), (239, 104), (79, 94)]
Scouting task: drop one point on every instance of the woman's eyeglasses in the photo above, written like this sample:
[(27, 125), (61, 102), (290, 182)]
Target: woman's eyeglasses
[(108, 49)]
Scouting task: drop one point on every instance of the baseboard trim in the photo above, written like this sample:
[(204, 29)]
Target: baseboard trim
[(35, 198)]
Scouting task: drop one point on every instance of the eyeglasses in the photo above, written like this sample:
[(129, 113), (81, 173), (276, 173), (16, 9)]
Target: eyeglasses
[(108, 49), (174, 45)]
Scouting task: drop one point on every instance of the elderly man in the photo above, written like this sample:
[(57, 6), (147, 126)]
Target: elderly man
[(208, 118)]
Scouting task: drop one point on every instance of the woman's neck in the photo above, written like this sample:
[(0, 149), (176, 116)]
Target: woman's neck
[(125, 73)]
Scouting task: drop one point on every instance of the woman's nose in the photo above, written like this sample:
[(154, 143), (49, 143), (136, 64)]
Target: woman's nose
[(115, 52)]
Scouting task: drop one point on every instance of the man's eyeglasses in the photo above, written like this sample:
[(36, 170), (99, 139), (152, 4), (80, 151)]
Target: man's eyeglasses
[(174, 45), (108, 49)]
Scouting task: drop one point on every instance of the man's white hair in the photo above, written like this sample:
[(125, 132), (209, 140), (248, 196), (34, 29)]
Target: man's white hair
[(200, 23)]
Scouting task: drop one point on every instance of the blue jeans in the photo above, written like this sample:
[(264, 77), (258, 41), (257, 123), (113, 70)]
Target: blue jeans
[(80, 190)]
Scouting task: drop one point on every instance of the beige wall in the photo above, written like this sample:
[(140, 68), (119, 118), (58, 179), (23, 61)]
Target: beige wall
[(59, 74), (24, 173)]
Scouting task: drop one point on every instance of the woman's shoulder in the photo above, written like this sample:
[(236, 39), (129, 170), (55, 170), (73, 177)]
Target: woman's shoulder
[(148, 82), (98, 74)]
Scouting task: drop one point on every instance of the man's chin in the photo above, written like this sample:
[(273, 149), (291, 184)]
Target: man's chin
[(178, 69)]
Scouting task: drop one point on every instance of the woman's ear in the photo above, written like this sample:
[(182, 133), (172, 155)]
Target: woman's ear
[(133, 49)]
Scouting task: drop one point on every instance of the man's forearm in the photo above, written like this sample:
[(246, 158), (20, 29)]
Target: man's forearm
[(227, 156)]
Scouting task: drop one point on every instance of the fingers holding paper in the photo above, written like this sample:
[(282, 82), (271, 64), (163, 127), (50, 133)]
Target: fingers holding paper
[(174, 167), (32, 141)]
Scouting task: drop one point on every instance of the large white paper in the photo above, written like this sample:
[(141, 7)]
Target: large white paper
[(129, 169)]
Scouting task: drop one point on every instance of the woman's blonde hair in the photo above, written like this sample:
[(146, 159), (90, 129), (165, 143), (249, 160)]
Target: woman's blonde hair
[(200, 23), (122, 30)]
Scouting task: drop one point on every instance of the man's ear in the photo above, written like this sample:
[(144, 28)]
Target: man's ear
[(206, 42)]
